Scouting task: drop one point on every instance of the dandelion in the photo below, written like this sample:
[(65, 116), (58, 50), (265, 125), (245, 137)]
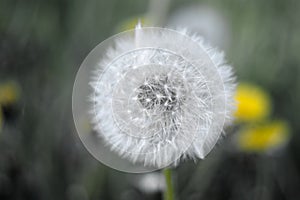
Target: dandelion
[(263, 137), (253, 103), (160, 95), (9, 93)]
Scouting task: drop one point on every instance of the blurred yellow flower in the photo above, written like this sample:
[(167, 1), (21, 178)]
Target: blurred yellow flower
[(9, 93), (263, 137), (130, 23), (253, 103)]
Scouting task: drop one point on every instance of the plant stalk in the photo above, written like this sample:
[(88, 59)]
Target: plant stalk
[(169, 192)]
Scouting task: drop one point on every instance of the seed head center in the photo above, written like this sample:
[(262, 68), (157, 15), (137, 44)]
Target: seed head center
[(158, 93)]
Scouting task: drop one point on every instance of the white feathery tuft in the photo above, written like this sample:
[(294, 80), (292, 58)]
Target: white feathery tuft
[(152, 105)]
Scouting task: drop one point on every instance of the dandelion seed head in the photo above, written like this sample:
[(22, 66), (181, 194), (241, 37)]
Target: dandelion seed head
[(160, 95)]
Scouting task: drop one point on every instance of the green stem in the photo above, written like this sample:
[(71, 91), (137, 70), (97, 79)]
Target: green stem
[(169, 192)]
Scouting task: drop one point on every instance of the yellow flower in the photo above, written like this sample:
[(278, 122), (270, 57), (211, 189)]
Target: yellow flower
[(9, 93), (130, 23), (253, 103), (263, 137)]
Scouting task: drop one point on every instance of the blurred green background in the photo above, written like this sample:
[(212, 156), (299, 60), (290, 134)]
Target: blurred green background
[(42, 44)]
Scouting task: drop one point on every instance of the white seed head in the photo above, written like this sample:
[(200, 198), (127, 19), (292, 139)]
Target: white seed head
[(160, 95)]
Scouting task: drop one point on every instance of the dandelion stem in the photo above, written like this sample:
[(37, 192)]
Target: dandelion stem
[(169, 192)]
